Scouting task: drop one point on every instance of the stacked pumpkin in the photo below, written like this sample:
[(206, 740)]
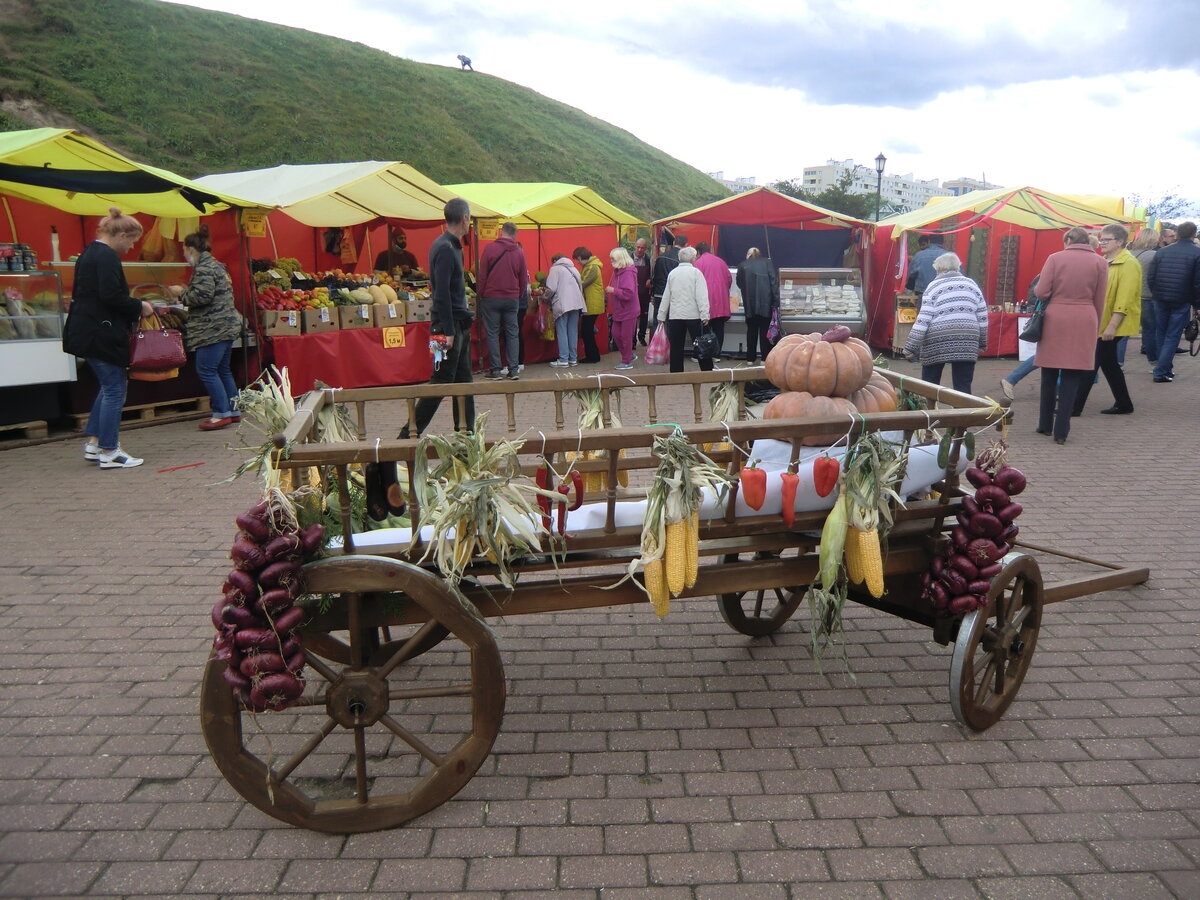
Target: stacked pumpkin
[(830, 374)]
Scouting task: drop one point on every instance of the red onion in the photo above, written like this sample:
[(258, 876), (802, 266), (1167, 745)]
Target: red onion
[(991, 494), (283, 573), (978, 477), (262, 638), (964, 566), (276, 690), (246, 556), (1012, 480), (985, 525), (261, 664), (1010, 512), (254, 528), (289, 619)]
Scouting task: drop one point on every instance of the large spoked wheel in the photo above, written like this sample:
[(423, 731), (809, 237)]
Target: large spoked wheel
[(759, 613), (373, 742), (995, 645)]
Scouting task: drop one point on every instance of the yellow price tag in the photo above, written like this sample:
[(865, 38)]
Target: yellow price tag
[(393, 337), (487, 229), (254, 222)]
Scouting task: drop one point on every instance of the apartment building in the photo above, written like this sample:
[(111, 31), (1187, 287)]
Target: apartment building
[(735, 185), (902, 193)]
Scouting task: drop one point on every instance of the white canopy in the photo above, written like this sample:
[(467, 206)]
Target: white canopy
[(340, 194)]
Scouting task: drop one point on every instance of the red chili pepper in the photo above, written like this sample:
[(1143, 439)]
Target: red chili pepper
[(754, 486), (791, 482), (577, 483), (562, 509), (543, 481), (825, 475)]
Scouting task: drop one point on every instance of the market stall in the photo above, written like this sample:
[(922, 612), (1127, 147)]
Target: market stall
[(560, 218), (54, 184), (818, 253), (1003, 238), (330, 222)]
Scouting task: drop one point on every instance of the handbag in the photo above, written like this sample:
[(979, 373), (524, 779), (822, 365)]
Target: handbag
[(1032, 332), (153, 348), (704, 346), (775, 328), (658, 353)]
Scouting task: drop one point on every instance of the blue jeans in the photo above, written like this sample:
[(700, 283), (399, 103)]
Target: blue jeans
[(1026, 366), (104, 422), (566, 329), (500, 318), (212, 367), (1171, 321), (1149, 330)]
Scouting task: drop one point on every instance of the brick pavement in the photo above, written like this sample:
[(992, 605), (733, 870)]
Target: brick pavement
[(639, 758)]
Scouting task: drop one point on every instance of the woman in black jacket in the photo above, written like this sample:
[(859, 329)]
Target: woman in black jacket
[(101, 317), (759, 285)]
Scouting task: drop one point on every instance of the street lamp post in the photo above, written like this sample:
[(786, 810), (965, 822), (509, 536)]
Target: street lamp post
[(880, 162)]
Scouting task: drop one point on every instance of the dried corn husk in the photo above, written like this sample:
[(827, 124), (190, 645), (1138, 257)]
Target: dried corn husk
[(591, 418)]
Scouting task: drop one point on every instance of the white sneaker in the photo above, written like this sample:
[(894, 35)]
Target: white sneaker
[(91, 451), (574, 362), (520, 368), (1007, 387), (559, 363), (119, 459)]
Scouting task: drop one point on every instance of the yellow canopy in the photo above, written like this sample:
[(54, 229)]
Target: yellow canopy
[(1027, 206), (339, 194), (545, 204), (72, 172)]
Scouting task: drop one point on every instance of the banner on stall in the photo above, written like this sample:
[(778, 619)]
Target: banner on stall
[(393, 337), (487, 229)]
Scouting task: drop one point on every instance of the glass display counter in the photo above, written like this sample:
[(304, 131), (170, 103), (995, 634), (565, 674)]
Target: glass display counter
[(31, 321)]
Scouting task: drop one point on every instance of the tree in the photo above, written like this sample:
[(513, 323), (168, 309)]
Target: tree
[(838, 198), (1167, 207)]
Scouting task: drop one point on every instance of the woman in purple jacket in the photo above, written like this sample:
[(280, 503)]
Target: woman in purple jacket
[(623, 304)]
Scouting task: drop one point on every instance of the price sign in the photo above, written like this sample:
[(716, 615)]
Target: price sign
[(631, 233), (487, 229), (254, 222), (393, 338)]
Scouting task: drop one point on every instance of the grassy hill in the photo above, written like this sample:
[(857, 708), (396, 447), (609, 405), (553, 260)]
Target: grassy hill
[(200, 92)]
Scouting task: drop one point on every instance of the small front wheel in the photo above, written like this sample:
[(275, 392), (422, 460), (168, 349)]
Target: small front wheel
[(761, 612)]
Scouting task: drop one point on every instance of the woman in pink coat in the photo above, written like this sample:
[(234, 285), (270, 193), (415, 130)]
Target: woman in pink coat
[(623, 304), (1073, 282), (719, 280)]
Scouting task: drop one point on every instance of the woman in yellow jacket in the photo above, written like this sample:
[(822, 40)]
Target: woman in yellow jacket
[(593, 298), (1122, 317)]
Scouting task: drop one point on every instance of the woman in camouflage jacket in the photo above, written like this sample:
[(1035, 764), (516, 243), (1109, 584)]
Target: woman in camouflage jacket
[(213, 324)]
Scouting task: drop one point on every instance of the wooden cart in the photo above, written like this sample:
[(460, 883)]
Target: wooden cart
[(406, 687)]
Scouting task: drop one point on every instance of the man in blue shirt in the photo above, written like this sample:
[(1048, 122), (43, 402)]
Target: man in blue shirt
[(921, 268)]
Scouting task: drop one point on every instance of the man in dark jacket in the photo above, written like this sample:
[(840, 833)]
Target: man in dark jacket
[(502, 286), (1174, 279), (642, 261), (450, 316), (664, 266)]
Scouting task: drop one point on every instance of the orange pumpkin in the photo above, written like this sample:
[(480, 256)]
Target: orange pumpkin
[(877, 395), (805, 362), (803, 405)]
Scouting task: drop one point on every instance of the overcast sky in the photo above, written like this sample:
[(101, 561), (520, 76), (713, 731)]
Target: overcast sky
[(1073, 96)]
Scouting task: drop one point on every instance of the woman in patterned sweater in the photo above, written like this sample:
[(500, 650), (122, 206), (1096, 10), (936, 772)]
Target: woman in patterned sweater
[(213, 325), (951, 327)]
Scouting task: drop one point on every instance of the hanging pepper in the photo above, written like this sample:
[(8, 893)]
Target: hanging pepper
[(754, 485), (825, 475), (543, 481), (565, 490), (791, 482)]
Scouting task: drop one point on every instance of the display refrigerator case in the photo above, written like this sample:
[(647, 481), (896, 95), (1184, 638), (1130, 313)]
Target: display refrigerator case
[(31, 322), (809, 300), (147, 280)]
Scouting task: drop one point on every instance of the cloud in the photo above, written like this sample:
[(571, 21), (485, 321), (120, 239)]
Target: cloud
[(838, 53)]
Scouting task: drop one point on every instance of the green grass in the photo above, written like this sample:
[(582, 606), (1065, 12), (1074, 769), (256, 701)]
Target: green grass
[(201, 92)]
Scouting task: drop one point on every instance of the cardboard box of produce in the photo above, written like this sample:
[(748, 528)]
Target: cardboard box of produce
[(356, 316), (316, 321), (419, 310), (389, 314), (280, 323)]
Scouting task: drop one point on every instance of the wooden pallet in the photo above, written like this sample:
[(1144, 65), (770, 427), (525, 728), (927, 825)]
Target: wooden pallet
[(157, 413), (33, 430)]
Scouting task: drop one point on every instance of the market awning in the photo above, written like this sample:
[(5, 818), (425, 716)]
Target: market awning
[(545, 204), (761, 206), (1027, 207), (341, 194), (72, 172)]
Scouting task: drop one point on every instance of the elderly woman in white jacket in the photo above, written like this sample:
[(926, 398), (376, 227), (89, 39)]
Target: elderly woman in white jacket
[(684, 308)]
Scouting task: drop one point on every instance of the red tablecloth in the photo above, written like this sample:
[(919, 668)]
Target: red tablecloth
[(355, 358), (1002, 334)]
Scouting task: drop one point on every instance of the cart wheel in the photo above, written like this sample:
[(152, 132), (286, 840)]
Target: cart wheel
[(995, 645), (379, 643), (372, 743), (759, 613)]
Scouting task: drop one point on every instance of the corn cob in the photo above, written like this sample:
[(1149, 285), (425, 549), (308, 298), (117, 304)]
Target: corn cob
[(871, 561), (656, 586), (675, 557), (854, 554), (692, 572)]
